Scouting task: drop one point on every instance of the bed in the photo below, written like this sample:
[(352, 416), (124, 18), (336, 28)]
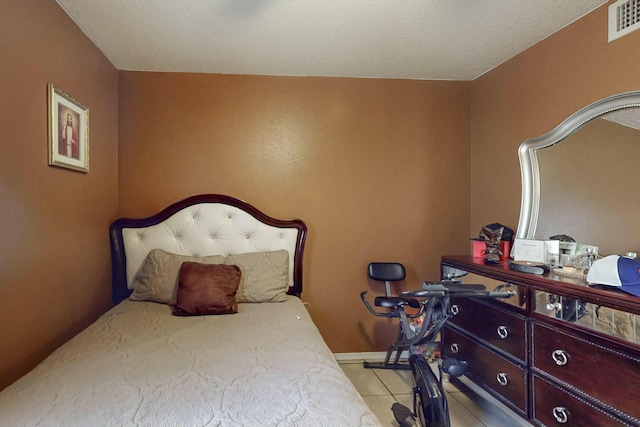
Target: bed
[(207, 329)]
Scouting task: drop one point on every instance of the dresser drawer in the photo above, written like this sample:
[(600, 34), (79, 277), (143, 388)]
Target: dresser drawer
[(599, 371), (554, 407), (503, 330), (505, 378)]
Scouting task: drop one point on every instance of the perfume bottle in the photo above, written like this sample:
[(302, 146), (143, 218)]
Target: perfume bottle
[(584, 261)]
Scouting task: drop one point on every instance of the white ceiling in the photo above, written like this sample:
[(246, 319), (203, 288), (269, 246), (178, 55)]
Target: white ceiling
[(409, 39)]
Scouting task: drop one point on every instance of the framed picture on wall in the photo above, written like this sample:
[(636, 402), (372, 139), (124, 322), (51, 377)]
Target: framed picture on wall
[(68, 130)]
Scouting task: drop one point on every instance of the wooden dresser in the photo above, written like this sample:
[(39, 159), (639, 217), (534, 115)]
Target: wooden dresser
[(558, 353)]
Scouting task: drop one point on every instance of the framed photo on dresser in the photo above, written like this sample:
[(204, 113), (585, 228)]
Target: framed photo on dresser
[(68, 131)]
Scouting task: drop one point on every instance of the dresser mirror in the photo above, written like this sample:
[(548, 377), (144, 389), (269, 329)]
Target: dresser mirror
[(518, 299), (605, 320), (580, 178)]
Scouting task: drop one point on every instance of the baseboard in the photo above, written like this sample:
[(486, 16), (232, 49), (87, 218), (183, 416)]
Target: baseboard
[(366, 355)]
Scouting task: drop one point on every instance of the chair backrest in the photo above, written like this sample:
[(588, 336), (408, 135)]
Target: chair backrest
[(387, 272)]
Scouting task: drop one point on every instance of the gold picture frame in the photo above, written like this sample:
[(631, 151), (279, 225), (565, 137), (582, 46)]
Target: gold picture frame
[(68, 131)]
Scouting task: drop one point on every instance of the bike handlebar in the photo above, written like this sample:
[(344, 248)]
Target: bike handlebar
[(459, 292)]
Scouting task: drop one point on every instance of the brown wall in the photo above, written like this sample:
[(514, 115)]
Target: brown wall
[(54, 248), (533, 93), (378, 169)]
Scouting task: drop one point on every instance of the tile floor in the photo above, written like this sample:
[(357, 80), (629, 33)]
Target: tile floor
[(380, 388)]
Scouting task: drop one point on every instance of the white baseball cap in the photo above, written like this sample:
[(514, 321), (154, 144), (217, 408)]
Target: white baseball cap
[(614, 270)]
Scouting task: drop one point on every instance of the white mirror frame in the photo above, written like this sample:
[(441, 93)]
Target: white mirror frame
[(527, 153)]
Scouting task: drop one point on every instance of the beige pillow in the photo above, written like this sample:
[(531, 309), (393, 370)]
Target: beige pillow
[(265, 276), (157, 279)]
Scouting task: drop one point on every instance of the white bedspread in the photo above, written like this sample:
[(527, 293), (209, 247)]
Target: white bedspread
[(140, 366)]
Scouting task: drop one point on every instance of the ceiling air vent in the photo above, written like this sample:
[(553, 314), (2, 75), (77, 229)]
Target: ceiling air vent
[(624, 17)]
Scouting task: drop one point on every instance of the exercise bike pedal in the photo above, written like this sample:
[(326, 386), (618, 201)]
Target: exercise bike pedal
[(455, 367), (404, 416)]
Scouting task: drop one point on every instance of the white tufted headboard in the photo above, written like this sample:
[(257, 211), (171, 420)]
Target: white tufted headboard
[(208, 224)]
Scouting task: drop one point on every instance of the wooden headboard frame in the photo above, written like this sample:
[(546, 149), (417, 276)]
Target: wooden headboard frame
[(240, 221)]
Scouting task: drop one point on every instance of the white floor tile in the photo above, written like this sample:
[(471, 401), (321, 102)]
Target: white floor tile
[(450, 387), (405, 399), (364, 380), (461, 416), (380, 388), (351, 362), (401, 381), (397, 381), (381, 407), (489, 413)]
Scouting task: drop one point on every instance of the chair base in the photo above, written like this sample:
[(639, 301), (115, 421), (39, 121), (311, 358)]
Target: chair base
[(383, 365)]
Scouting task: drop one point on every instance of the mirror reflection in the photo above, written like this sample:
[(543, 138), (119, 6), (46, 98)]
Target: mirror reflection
[(588, 184), (606, 320), (579, 179)]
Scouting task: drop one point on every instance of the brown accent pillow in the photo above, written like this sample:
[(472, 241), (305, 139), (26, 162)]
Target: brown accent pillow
[(207, 289)]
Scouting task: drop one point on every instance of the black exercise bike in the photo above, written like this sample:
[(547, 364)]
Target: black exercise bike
[(433, 304)]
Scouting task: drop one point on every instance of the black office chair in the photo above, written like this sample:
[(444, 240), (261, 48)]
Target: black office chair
[(388, 272)]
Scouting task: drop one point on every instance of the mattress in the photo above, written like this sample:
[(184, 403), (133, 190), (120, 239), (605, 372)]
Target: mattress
[(138, 365)]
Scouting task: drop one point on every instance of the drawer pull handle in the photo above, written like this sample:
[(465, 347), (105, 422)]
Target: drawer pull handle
[(554, 306), (454, 348), (502, 378), (455, 309), (503, 332), (560, 357), (561, 414)]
